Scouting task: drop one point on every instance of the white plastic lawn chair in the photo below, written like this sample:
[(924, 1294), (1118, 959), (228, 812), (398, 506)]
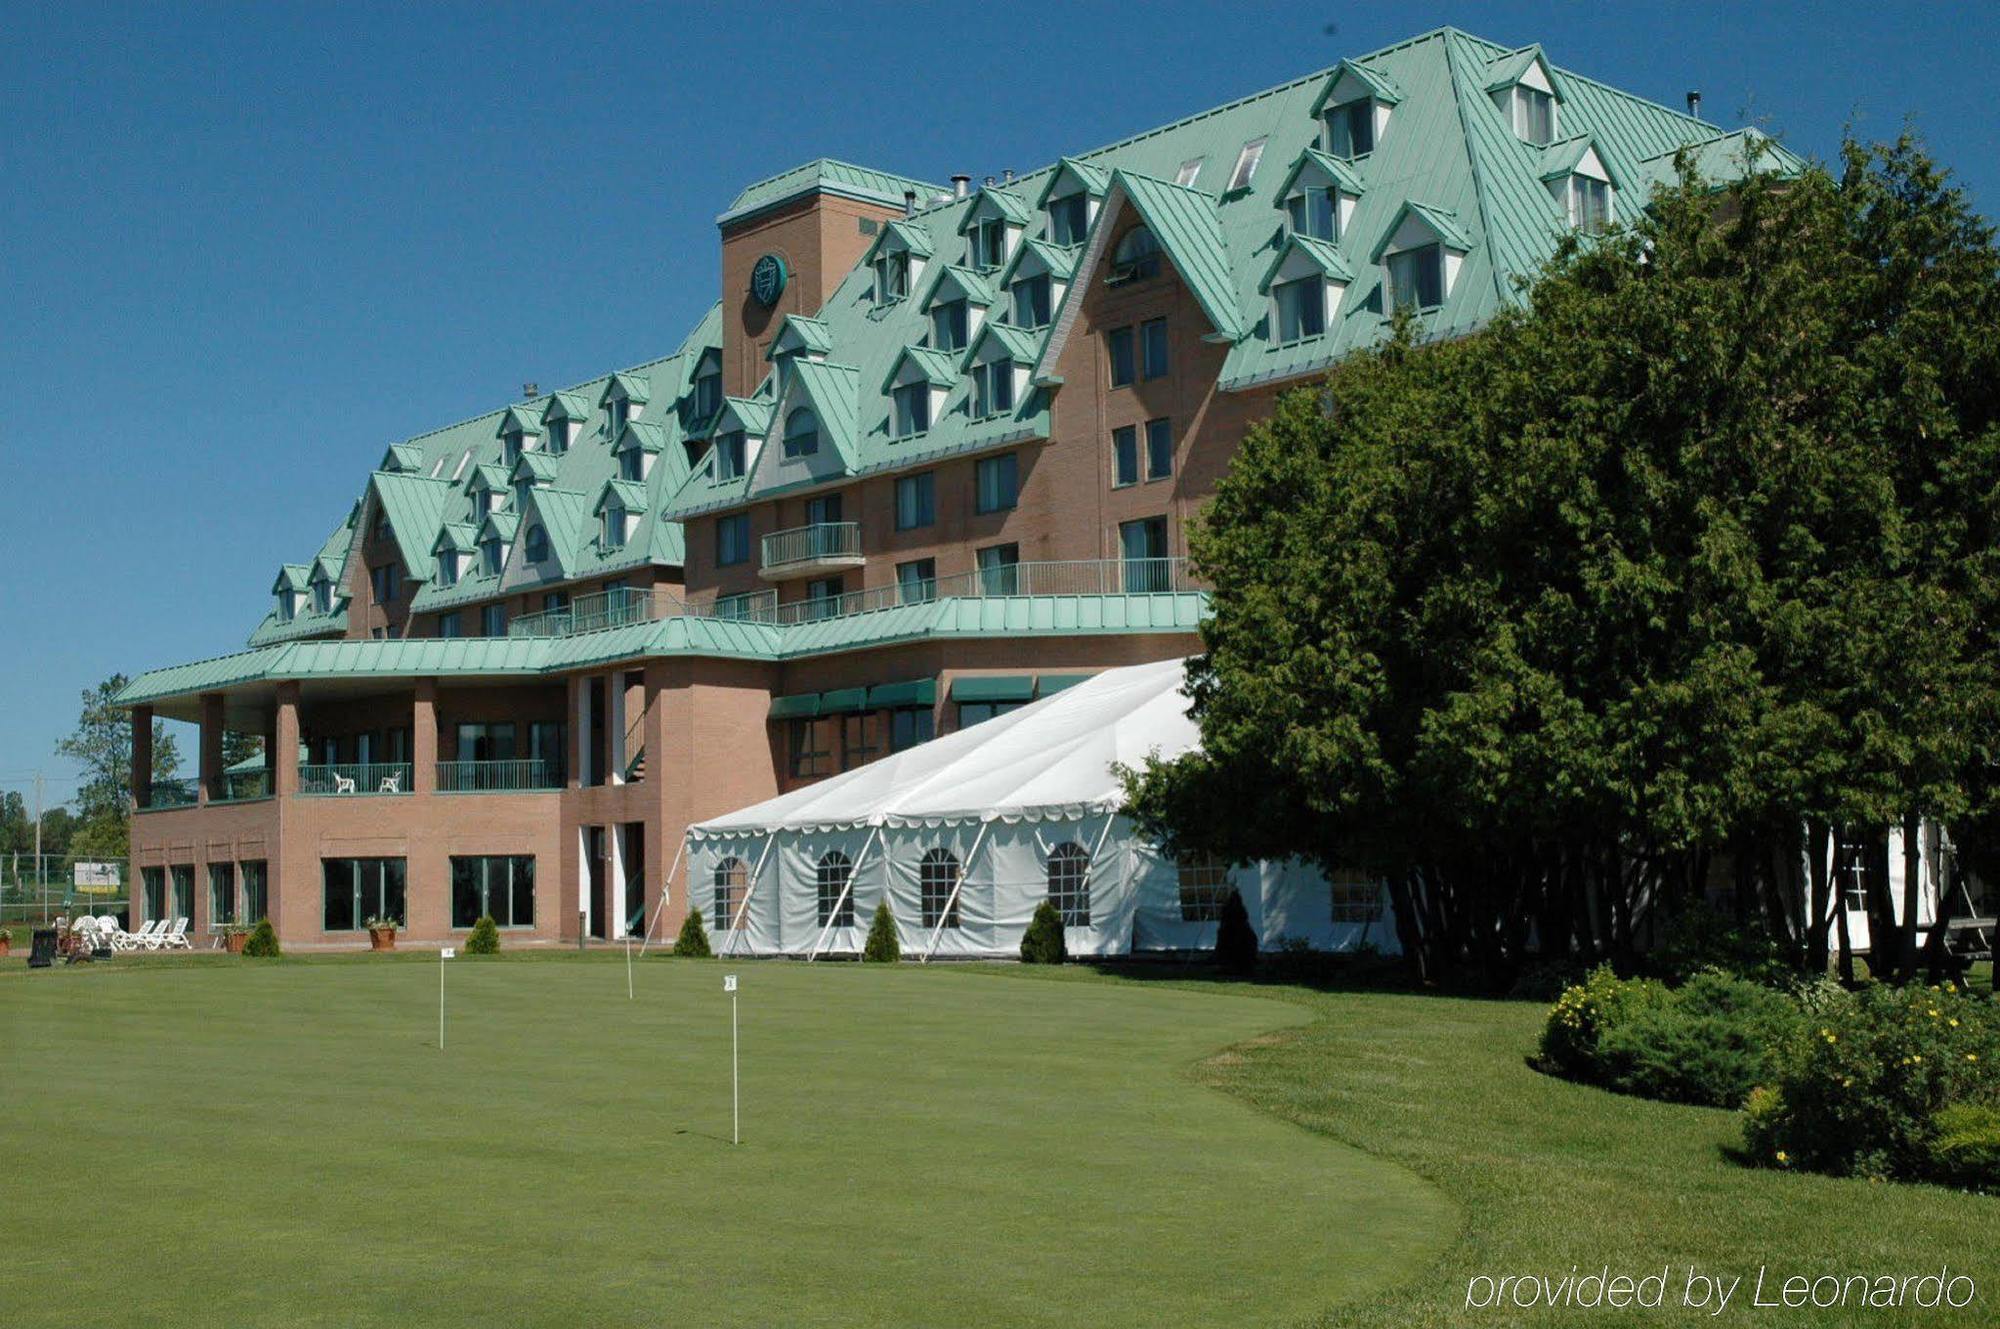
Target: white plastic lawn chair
[(343, 784), (391, 784), (110, 933), (176, 937), (142, 940)]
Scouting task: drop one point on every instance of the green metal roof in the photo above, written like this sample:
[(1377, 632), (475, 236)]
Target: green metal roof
[(630, 494), (1325, 256), (1021, 345), (1058, 260), (916, 239), (291, 577), (566, 406), (461, 537), (1441, 220), (939, 368), (1185, 223), (798, 333), (1341, 171), (536, 467), (415, 508), (1380, 86), (630, 386), (992, 202), (402, 459), (645, 435), (833, 391), (1073, 171), (827, 176), (489, 477), (521, 419), (955, 282), (1508, 69)]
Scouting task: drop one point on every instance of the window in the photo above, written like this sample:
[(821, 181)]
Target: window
[(999, 569), (558, 442), (997, 481), (510, 448), (1137, 256), (1350, 129), (616, 412), (1301, 308), (256, 877), (632, 464), (485, 740), (1153, 348), (989, 243), (823, 510), (1125, 456), (950, 326), (493, 555), (500, 887), (612, 535), (1124, 363), (1159, 449), (909, 727), (1069, 218), (537, 544), (1416, 278), (548, 744), (221, 895), (183, 879), (1534, 115), (384, 579), (1069, 884), (288, 606), (913, 408), (801, 433), (1189, 172), (1313, 213), (836, 901), (1589, 203), (892, 275), (992, 388), (937, 885), (707, 394), (916, 500), (823, 597), (322, 596), (154, 884), (1144, 546), (971, 713), (1355, 900), (729, 455), (732, 539), (449, 625), (359, 889), (811, 747), (1204, 887), (729, 881), (1031, 302), (555, 599), (860, 738), (916, 581), (493, 620), (1246, 164)]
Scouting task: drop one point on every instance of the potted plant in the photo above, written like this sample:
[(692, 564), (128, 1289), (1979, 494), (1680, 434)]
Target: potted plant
[(233, 937), (6, 942), (382, 934)]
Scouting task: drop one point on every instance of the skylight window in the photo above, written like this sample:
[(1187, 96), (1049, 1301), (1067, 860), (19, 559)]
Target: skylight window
[(459, 470), (1190, 171), (1246, 164)]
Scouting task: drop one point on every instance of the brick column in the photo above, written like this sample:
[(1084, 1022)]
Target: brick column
[(285, 757), (142, 756), (209, 785), (424, 737)]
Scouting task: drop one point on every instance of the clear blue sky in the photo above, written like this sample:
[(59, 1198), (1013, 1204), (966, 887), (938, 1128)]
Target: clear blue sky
[(243, 248)]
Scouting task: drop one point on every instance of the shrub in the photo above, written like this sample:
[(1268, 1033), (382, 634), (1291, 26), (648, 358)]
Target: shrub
[(263, 940), (485, 938), (1965, 1147), (1043, 942), (1710, 1042), (1867, 1087), (692, 944), (1698, 937), (1583, 1013), (883, 946)]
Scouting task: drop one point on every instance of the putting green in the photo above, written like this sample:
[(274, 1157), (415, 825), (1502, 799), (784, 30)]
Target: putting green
[(282, 1143)]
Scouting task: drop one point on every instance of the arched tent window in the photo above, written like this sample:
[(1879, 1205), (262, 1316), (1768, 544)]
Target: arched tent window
[(1069, 883), (1137, 255), (732, 876), (937, 883), (1205, 885), (836, 902), (801, 433)]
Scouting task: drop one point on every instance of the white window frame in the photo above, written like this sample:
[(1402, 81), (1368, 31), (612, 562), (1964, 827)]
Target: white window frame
[(1244, 173)]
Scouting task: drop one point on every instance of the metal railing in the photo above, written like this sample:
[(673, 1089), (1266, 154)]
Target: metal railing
[(811, 544), (591, 613), (171, 793), (493, 777), (367, 777), (241, 786)]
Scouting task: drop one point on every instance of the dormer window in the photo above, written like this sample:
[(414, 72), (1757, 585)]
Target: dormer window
[(448, 567), (617, 412), (1534, 115), (1137, 256), (510, 448), (913, 408), (950, 325), (992, 388), (1350, 128), (801, 433), (1032, 301), (493, 555), (288, 605), (1246, 165), (612, 536), (729, 455), (632, 464), (707, 395), (559, 436), (1416, 278), (1069, 218), (989, 243), (322, 596), (1301, 308), (1314, 212), (1589, 203), (1523, 88), (892, 276), (536, 546)]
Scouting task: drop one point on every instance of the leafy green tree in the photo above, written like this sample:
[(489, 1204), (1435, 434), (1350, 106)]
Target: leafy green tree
[(238, 747), (102, 744), (692, 943), (1690, 552)]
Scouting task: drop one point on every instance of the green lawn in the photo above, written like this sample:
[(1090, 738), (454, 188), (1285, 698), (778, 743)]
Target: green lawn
[(217, 1141)]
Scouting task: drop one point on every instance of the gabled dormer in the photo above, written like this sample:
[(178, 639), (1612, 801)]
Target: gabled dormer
[(532, 470), (1319, 195), (487, 489), (1354, 109), (323, 584), (897, 258), (562, 417), (289, 589), (704, 395), (799, 336), (742, 422), (620, 504), (1035, 281), (496, 537), (1070, 201), (638, 446), (1304, 285), (402, 459), (997, 368), (957, 305), (520, 429), (1524, 91), (457, 543), (1421, 254), (624, 400), (1580, 183), (917, 383), (992, 227)]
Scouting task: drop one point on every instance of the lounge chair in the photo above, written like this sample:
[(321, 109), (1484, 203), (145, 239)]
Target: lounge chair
[(176, 937), (148, 933)]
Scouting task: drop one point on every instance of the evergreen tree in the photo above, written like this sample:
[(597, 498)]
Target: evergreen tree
[(693, 940), (882, 946), (1043, 942), (484, 938), (1235, 942)]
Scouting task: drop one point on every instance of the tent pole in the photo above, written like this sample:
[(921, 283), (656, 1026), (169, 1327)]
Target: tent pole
[(756, 875), (666, 893), (957, 886), (847, 888)]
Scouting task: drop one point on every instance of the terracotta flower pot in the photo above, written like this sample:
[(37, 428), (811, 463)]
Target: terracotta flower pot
[(6, 946), (381, 939), (234, 941)]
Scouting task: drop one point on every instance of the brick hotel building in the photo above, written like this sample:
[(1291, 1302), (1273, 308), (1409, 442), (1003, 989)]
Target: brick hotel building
[(929, 456)]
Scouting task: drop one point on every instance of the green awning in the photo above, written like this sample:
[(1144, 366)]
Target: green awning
[(917, 692), (994, 687), (798, 706), (843, 699), (1054, 683)]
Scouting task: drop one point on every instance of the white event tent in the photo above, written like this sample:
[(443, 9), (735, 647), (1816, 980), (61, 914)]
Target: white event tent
[(966, 834)]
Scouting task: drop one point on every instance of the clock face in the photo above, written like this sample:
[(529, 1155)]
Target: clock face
[(767, 280)]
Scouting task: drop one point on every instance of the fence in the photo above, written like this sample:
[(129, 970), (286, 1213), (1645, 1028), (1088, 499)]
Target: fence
[(35, 892)]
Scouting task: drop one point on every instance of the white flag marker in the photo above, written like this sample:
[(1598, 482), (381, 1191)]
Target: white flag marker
[(735, 1092), (446, 953)]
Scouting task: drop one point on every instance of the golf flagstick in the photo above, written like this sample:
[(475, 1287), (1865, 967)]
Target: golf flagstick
[(735, 1091), (444, 954), (628, 964)]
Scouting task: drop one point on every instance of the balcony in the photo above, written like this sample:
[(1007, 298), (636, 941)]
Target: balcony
[(353, 778), (826, 546), (591, 613), (495, 777), (1112, 576), (170, 794)]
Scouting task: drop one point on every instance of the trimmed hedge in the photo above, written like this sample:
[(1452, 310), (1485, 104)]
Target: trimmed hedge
[(883, 947), (692, 943), (263, 940), (1043, 942), (485, 938)]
